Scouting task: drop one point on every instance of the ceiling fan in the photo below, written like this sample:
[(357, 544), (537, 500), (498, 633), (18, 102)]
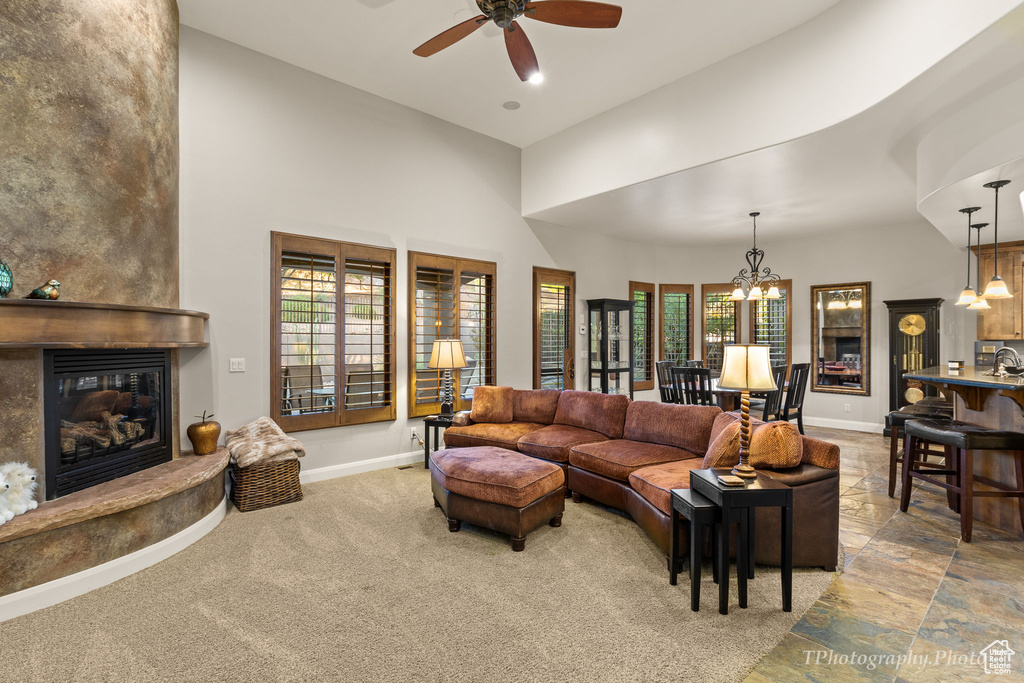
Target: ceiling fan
[(579, 13)]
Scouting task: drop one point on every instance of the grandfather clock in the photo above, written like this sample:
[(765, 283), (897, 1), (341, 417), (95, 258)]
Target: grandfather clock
[(913, 345)]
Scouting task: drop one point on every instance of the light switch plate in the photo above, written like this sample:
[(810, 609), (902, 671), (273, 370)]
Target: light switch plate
[(583, 329), (236, 365)]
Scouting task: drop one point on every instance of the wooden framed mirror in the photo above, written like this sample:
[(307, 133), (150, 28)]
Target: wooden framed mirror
[(841, 338)]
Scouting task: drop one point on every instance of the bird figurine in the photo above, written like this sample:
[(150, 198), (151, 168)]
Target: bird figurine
[(51, 290)]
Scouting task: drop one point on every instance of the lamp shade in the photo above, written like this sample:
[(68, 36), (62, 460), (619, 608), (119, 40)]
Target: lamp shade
[(996, 289), (747, 367), (447, 353), (773, 293), (979, 304), (967, 297), (737, 295), (755, 293)]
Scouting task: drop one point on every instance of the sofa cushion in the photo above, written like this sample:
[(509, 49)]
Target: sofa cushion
[(604, 413), (501, 435), (773, 445), (655, 483), (492, 404), (554, 442), (616, 459), (682, 426), (535, 405), (496, 475)]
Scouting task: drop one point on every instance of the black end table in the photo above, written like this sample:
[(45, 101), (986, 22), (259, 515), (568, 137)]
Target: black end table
[(433, 423), (700, 511), (738, 504)]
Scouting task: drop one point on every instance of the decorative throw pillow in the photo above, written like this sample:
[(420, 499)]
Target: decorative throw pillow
[(492, 404), (776, 446), (724, 451)]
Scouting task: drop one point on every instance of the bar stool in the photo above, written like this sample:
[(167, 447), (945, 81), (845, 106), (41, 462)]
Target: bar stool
[(898, 418), (966, 439)]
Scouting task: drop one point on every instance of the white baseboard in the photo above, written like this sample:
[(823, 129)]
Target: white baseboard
[(870, 427), (59, 590), (360, 466)]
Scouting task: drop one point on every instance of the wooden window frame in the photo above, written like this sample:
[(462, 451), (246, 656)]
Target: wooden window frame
[(706, 289), (457, 266), (567, 277), (673, 289), (649, 332), (787, 286), (340, 251)]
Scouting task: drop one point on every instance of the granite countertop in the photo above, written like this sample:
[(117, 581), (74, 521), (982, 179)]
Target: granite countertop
[(134, 490), (970, 376)]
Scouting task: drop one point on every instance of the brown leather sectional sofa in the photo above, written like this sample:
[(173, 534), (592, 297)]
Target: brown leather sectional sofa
[(630, 454)]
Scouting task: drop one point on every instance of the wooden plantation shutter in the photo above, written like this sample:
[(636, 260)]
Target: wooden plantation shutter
[(642, 295), (450, 298), (771, 324), (332, 333), (675, 313), (721, 322), (554, 294)]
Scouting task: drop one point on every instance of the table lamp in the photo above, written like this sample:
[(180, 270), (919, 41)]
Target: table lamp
[(447, 354), (746, 367)]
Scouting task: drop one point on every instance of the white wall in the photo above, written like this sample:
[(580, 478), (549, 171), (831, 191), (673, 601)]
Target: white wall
[(267, 146)]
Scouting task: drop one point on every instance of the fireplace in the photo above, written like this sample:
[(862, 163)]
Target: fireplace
[(107, 414)]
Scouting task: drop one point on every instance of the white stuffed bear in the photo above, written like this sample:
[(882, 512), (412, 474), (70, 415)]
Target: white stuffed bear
[(19, 496), (5, 514)]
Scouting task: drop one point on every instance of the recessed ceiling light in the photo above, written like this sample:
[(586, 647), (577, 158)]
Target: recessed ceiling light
[(537, 78), (511, 105)]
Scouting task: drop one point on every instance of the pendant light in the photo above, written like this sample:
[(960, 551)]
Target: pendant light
[(968, 295), (757, 276), (979, 304), (996, 288)]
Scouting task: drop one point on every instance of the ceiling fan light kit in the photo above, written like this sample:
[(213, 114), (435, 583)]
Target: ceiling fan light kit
[(504, 14)]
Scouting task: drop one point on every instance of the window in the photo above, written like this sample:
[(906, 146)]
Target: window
[(770, 323), (332, 334), (642, 295), (676, 323), (721, 322), (450, 298), (553, 292)]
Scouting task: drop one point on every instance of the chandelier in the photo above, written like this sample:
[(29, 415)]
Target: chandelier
[(843, 300), (754, 276)]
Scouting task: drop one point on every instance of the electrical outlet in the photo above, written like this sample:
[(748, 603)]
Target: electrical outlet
[(846, 407), (414, 435), (236, 365)]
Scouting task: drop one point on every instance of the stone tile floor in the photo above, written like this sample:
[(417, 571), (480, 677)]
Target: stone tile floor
[(914, 603)]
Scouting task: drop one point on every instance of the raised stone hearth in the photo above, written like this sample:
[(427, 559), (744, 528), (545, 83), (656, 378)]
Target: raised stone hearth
[(105, 522)]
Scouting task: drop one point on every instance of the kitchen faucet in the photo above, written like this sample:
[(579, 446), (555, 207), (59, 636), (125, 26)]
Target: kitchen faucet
[(1013, 355)]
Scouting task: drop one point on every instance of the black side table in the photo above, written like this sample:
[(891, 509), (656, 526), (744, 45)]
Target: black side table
[(433, 423), (738, 504), (700, 511)]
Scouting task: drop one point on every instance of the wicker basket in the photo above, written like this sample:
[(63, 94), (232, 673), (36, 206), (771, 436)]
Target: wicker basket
[(265, 485)]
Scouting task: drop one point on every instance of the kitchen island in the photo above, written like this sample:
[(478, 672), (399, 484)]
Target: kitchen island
[(996, 402)]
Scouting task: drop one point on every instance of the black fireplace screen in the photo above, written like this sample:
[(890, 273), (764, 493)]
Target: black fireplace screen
[(107, 415)]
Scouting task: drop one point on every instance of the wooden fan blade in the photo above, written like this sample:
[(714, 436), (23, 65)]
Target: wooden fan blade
[(579, 13), (524, 59), (449, 37)]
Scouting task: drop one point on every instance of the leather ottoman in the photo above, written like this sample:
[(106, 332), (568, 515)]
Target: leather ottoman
[(497, 489)]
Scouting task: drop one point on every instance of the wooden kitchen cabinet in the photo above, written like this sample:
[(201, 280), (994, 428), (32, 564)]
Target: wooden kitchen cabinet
[(1005, 320)]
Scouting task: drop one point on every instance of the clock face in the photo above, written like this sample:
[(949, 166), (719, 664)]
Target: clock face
[(912, 325)]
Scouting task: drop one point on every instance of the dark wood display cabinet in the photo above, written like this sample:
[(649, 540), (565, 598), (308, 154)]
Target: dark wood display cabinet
[(611, 365), (913, 346)]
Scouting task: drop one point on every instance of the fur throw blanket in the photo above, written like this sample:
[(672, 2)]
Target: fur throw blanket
[(261, 441)]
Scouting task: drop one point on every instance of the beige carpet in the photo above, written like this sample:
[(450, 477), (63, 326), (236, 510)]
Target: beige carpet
[(362, 581)]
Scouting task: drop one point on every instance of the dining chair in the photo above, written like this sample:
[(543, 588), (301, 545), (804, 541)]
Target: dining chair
[(772, 408), (304, 379), (693, 386), (664, 381), (794, 406)]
